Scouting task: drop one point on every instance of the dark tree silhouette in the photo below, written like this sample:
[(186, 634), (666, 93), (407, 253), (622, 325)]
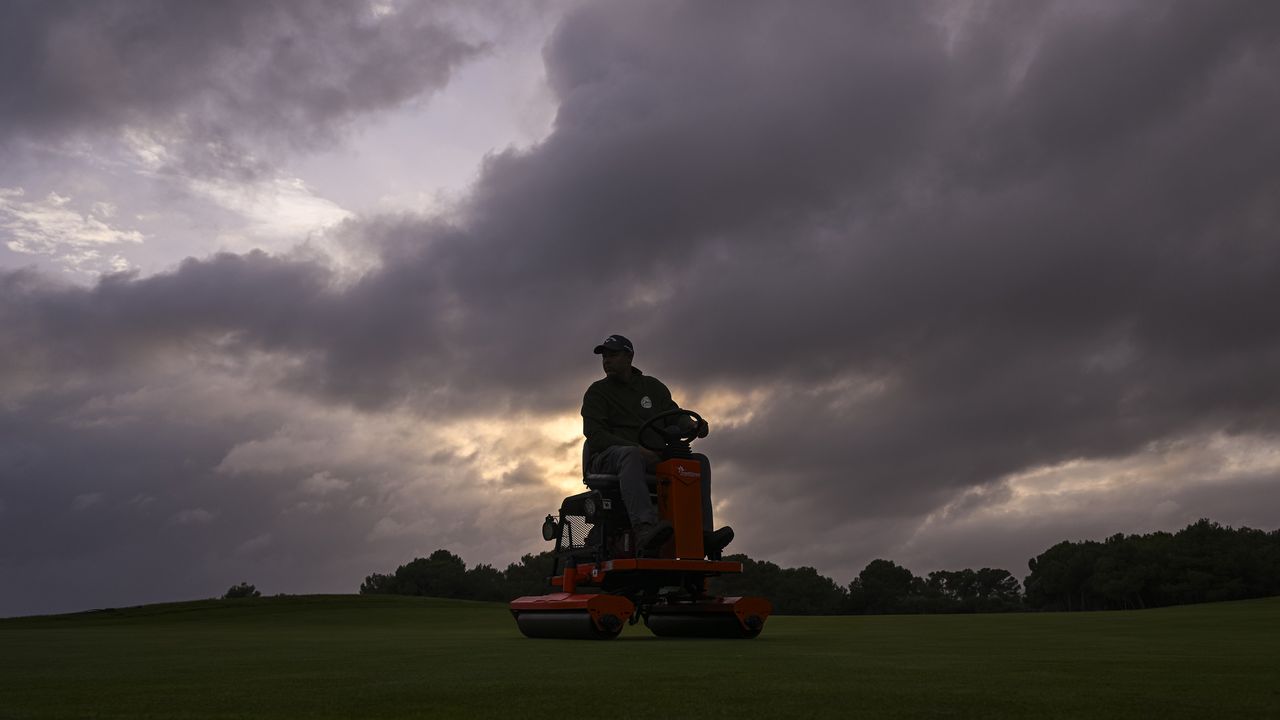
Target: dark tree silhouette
[(884, 587), (483, 582), (379, 584), (243, 590), (1203, 562), (443, 574), (985, 590), (792, 591), (529, 576)]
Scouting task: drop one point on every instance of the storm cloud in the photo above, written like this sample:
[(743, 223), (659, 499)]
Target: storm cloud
[(223, 78), (915, 258)]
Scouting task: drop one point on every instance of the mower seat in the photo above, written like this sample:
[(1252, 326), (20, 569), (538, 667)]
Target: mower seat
[(606, 482)]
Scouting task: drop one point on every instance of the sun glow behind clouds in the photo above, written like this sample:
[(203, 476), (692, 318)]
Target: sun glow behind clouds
[(273, 211), (279, 207), (723, 407), (549, 447)]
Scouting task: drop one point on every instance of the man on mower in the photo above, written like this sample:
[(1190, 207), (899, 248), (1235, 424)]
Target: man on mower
[(613, 411)]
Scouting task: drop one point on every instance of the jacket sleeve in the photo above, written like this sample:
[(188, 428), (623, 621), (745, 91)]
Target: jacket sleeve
[(595, 413), (664, 401)]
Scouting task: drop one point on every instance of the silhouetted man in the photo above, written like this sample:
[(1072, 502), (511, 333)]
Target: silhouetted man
[(613, 411)]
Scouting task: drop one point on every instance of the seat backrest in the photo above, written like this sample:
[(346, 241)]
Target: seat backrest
[(586, 468), (605, 481), (596, 481)]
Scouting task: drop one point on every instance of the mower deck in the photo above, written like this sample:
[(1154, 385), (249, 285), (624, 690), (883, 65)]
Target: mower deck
[(600, 615), (574, 616), (594, 573)]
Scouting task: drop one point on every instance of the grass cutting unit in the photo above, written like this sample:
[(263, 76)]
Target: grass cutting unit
[(601, 581)]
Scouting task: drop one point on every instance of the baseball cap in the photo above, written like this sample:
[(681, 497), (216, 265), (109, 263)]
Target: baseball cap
[(614, 342)]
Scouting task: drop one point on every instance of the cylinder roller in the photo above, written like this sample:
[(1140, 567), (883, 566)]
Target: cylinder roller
[(568, 625), (737, 617), (572, 616), (704, 625)]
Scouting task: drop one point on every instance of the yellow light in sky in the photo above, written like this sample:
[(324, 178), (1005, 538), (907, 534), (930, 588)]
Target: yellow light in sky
[(551, 443)]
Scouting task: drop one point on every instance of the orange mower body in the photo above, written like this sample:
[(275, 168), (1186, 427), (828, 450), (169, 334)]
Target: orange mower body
[(600, 582)]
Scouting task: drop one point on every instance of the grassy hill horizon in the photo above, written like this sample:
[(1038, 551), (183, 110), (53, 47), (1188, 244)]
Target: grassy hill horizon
[(394, 656)]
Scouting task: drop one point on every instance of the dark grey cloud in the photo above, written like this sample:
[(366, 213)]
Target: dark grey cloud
[(942, 244), (225, 81)]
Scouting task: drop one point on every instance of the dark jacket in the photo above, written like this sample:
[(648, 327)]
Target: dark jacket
[(614, 410)]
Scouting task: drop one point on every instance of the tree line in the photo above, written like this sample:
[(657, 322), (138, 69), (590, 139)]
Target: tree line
[(1202, 563), (443, 574), (882, 587)]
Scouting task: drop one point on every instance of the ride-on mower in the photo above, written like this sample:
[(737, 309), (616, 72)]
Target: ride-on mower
[(604, 581)]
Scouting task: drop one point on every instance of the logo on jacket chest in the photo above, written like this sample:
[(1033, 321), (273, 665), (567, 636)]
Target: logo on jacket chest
[(645, 402)]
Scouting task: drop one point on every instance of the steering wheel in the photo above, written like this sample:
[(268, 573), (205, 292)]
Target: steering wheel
[(671, 433)]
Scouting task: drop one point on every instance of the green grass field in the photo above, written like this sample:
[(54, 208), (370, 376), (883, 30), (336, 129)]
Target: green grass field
[(387, 657)]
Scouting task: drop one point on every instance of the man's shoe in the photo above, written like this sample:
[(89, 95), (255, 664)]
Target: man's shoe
[(714, 542), (651, 536)]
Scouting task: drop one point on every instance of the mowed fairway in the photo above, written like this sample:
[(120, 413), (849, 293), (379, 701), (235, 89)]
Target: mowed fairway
[(376, 657)]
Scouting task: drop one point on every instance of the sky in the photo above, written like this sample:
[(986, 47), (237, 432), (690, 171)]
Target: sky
[(294, 292)]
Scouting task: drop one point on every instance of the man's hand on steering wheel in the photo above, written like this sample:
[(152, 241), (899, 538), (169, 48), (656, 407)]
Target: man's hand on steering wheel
[(685, 427), (693, 428)]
